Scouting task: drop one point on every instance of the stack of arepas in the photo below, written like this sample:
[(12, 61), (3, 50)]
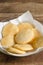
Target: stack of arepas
[(19, 38)]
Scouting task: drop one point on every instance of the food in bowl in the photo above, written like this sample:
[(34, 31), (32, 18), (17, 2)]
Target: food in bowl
[(9, 29), (7, 41), (15, 50), (24, 36), (23, 47), (38, 43), (19, 39), (24, 26)]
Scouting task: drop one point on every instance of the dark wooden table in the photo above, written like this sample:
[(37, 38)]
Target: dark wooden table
[(10, 9)]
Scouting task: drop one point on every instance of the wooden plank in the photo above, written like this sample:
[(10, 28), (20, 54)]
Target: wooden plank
[(19, 7), (38, 1), (36, 59)]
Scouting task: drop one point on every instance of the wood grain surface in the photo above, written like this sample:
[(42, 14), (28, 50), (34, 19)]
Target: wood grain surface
[(10, 9)]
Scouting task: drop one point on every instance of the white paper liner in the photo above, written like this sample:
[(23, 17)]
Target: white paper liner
[(26, 17)]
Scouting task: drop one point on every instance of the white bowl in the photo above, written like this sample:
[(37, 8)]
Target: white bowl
[(26, 17)]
